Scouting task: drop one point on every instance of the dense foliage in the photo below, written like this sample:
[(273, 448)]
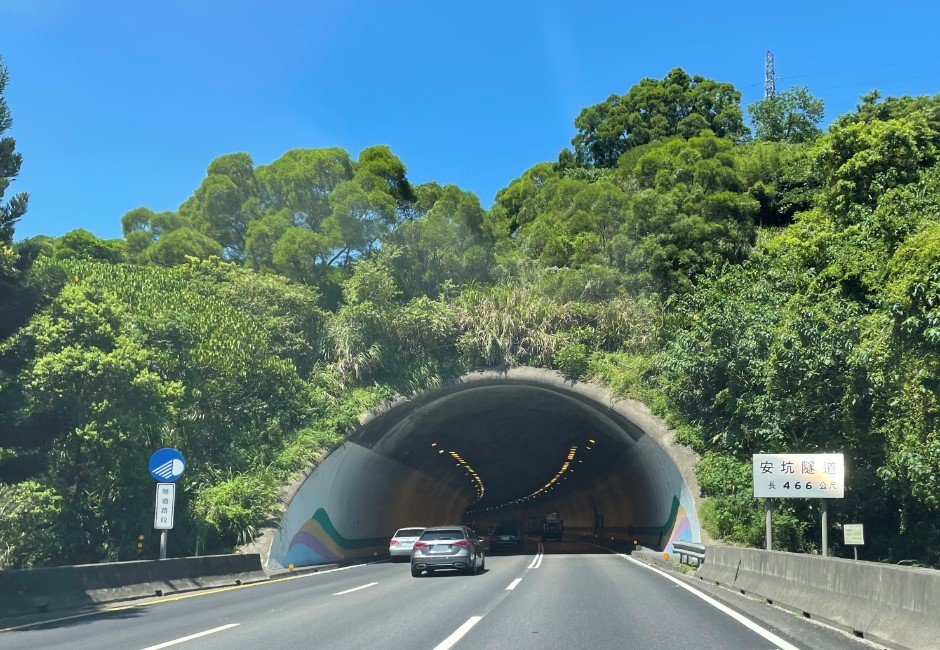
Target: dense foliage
[(770, 294)]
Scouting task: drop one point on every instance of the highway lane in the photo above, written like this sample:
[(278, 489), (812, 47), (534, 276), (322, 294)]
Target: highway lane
[(574, 596)]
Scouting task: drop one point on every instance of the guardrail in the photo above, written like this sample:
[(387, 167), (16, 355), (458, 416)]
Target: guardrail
[(30, 591), (892, 605), (691, 553)]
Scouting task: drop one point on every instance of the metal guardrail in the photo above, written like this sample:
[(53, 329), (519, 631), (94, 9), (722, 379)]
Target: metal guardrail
[(689, 552)]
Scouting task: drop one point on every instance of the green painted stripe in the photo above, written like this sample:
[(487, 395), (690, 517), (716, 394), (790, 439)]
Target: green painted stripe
[(666, 527), (322, 518)]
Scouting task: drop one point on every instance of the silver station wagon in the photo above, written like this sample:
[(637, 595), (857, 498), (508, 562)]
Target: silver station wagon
[(399, 546)]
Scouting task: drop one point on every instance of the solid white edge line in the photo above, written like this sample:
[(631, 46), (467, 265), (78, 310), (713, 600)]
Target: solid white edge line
[(512, 585), (458, 634), (349, 591), (743, 620), (191, 637)]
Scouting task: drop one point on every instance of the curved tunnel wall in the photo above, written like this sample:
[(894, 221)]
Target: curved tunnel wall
[(393, 471)]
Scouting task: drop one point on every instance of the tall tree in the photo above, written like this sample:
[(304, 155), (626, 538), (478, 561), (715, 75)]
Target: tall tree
[(10, 162), (791, 116), (679, 104)]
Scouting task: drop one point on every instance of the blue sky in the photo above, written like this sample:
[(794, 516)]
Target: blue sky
[(122, 104)]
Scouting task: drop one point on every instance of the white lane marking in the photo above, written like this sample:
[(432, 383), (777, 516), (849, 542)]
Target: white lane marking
[(458, 634), (512, 585), (743, 620), (191, 637), (349, 591)]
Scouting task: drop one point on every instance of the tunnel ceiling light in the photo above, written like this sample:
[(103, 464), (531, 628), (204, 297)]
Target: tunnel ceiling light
[(468, 471), (551, 484), (434, 444), (591, 440)]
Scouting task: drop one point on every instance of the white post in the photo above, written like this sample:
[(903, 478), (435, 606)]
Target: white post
[(825, 528), (768, 535)]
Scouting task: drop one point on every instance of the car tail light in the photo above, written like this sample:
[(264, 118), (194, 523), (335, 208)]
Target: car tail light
[(420, 544), (461, 542), (393, 542)]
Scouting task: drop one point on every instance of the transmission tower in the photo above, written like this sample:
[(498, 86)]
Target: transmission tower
[(770, 87)]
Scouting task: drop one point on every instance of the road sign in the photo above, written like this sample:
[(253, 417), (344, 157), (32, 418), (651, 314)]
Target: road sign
[(854, 534), (799, 476), (163, 509), (167, 464)]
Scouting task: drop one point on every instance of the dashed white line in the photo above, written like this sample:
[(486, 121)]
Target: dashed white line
[(743, 620), (458, 634), (191, 637), (512, 585), (349, 591)]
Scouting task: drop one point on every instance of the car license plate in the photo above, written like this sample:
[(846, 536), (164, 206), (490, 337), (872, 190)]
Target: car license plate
[(440, 548)]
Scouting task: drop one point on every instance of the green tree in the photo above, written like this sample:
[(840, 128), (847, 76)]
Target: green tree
[(81, 244), (10, 161), (679, 104), (791, 116), (445, 245), (226, 201), (690, 211), (882, 147), (178, 245)]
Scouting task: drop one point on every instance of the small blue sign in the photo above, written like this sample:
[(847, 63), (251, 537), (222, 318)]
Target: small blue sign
[(167, 465)]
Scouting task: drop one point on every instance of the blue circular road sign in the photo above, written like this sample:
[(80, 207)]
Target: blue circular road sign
[(167, 465)]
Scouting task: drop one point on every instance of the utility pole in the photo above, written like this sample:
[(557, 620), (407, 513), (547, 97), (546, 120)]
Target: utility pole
[(770, 86)]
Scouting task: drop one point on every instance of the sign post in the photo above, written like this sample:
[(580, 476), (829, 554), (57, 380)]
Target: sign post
[(166, 465), (799, 476), (854, 536)]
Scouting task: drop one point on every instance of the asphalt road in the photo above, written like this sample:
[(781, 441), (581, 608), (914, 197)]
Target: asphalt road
[(575, 595)]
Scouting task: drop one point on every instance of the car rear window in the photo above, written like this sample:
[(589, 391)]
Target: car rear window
[(456, 533), (505, 530), (408, 532)]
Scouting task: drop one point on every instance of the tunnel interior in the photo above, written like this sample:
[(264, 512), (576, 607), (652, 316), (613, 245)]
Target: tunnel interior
[(494, 447)]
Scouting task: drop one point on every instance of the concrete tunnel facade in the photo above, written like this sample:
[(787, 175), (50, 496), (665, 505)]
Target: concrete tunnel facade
[(493, 446)]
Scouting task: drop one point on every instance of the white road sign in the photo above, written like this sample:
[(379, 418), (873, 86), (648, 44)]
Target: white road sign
[(163, 509), (799, 476), (854, 534)]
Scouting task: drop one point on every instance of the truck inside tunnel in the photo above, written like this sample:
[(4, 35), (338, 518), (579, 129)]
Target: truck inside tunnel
[(495, 446)]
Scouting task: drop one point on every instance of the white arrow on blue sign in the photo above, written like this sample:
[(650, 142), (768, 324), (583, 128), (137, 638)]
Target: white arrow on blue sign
[(167, 464)]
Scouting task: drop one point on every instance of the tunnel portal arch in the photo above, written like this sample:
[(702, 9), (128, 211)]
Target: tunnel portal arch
[(493, 446)]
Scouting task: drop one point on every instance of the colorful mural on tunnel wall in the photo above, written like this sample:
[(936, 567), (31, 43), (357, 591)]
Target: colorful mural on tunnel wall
[(318, 542)]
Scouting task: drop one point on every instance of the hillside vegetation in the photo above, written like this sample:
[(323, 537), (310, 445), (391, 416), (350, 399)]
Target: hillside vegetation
[(767, 291)]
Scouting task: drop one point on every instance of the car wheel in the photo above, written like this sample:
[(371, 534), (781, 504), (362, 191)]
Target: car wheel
[(415, 572)]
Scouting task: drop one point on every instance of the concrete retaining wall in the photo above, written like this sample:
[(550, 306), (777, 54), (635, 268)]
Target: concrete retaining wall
[(894, 605), (29, 591)]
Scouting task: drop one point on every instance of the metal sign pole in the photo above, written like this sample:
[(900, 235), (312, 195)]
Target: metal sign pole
[(825, 528), (163, 544), (768, 536)]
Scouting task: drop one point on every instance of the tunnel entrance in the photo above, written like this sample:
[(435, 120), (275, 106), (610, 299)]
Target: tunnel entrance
[(493, 447)]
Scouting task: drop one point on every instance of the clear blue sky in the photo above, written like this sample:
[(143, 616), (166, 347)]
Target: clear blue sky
[(122, 104)]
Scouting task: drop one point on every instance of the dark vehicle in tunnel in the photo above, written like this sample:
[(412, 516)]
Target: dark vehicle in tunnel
[(448, 547), (506, 536), (552, 527)]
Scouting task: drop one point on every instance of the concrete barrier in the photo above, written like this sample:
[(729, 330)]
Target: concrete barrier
[(893, 605), (28, 591)]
